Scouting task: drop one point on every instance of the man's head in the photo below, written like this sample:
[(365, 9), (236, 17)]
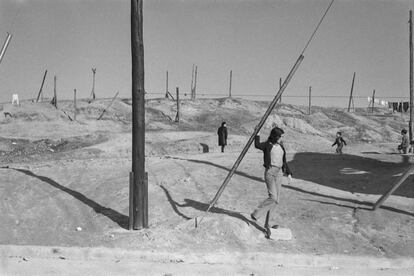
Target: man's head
[(223, 124), (338, 134), (275, 135), (404, 131)]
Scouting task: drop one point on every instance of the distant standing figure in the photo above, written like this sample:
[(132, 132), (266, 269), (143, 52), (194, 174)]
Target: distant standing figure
[(222, 136), (340, 142), (274, 161), (402, 148)]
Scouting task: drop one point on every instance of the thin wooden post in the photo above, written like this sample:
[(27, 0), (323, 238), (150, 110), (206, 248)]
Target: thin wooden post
[(373, 101), (166, 86), (41, 87), (74, 105), (231, 75), (93, 84), (394, 187), (280, 86), (256, 130), (310, 99), (411, 77), (108, 106), (177, 97), (5, 45), (54, 92), (192, 82), (139, 194), (195, 82), (351, 99)]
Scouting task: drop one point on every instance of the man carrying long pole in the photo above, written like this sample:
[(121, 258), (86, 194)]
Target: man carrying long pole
[(266, 115)]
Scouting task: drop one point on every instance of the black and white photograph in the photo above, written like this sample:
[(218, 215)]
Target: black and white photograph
[(206, 137)]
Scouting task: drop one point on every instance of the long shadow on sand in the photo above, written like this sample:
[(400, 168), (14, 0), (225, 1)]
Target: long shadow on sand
[(218, 166), (203, 207), (115, 216), (325, 169)]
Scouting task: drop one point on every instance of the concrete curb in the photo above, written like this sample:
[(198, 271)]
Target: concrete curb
[(229, 258)]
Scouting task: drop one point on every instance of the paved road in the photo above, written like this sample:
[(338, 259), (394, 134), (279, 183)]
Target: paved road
[(42, 260)]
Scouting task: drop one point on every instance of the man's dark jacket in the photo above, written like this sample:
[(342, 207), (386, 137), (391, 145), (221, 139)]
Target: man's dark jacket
[(266, 147)]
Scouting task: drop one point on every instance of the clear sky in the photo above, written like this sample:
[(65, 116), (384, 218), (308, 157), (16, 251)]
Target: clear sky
[(258, 39)]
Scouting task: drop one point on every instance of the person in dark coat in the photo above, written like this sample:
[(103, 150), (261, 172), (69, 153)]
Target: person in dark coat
[(402, 148), (222, 136), (274, 161), (340, 142)]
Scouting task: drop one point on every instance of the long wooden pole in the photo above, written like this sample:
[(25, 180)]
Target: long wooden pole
[(54, 92), (256, 130), (394, 187), (373, 101), (5, 45), (350, 96), (280, 86), (75, 110), (310, 100), (267, 113), (231, 75), (177, 117), (192, 82), (93, 84), (195, 82), (166, 86), (411, 77), (140, 196), (41, 86)]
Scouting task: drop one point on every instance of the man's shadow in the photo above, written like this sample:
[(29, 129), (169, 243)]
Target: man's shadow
[(200, 206), (113, 215), (309, 169)]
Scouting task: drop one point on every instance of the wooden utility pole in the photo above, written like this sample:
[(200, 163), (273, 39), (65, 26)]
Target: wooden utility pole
[(5, 45), (373, 101), (351, 99), (177, 117), (195, 83), (166, 86), (41, 87), (280, 86), (411, 77), (93, 84), (138, 218), (231, 75), (310, 99), (74, 105), (192, 82), (54, 92)]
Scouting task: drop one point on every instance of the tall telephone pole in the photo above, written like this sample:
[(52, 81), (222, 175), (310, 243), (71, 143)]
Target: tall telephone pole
[(138, 209), (410, 127)]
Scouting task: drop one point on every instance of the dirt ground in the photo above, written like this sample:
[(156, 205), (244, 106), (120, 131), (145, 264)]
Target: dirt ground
[(66, 183)]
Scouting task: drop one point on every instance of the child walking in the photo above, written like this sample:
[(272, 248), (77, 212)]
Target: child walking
[(402, 148), (274, 157), (340, 142)]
